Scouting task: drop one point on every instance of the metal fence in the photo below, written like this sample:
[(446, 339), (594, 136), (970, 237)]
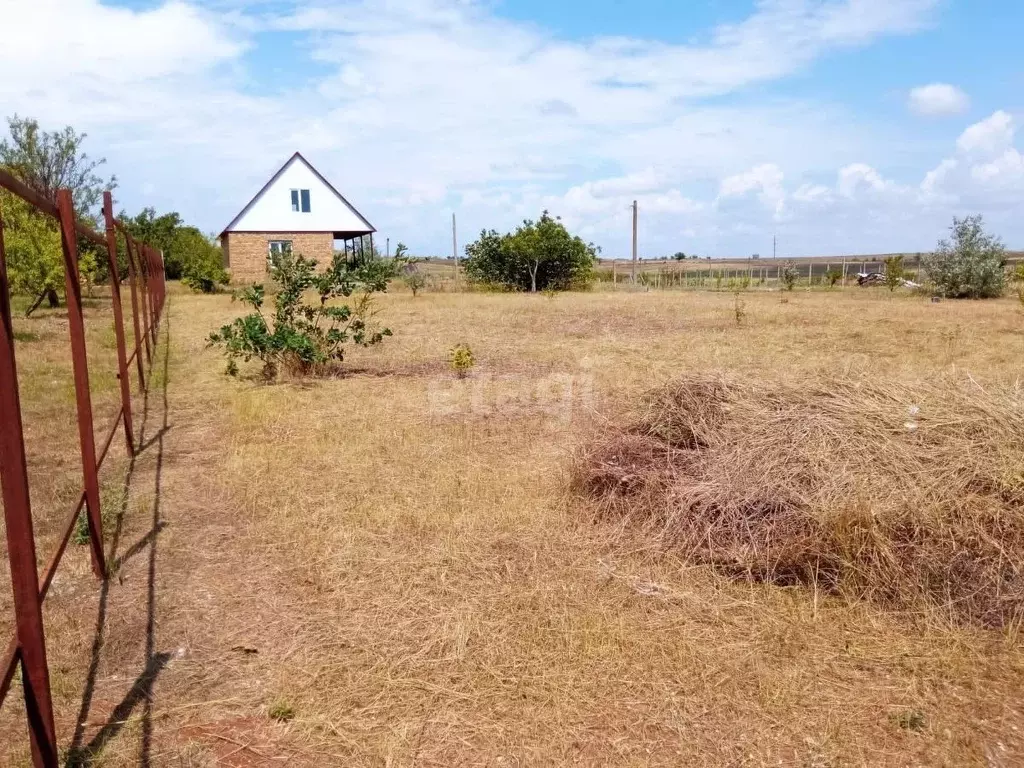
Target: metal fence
[(27, 649)]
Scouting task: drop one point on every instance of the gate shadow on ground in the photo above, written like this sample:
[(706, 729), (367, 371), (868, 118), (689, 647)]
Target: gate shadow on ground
[(140, 694)]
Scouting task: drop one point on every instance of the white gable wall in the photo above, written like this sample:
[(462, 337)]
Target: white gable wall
[(272, 211)]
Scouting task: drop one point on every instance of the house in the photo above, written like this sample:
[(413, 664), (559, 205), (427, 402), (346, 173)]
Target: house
[(297, 210)]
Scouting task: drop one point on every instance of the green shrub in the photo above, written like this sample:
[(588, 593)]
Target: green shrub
[(894, 274), (305, 337), (970, 264), (461, 360), (832, 277), (789, 275), (414, 279)]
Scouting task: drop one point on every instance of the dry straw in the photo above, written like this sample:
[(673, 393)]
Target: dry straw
[(906, 495)]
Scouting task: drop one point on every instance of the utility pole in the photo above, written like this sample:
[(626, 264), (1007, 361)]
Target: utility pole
[(634, 243), (455, 250), (774, 256), (387, 248)]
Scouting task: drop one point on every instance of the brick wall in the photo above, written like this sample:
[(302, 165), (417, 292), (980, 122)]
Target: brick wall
[(246, 252)]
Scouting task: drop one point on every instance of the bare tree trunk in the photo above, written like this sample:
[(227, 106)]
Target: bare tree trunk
[(533, 277), (53, 301)]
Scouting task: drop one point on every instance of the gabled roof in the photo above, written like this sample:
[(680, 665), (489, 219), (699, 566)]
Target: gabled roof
[(297, 156)]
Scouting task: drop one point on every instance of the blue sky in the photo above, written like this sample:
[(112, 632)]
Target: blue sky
[(842, 126)]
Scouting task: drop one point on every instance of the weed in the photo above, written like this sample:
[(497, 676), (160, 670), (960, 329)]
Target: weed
[(910, 720), (281, 711), (739, 309)]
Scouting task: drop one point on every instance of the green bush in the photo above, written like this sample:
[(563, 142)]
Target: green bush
[(305, 337), (414, 279), (970, 265), (894, 273), (461, 360), (789, 275)]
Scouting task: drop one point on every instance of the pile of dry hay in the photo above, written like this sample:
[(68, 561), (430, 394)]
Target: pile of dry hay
[(911, 496)]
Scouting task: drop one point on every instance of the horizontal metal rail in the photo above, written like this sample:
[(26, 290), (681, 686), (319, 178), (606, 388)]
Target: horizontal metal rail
[(40, 203)]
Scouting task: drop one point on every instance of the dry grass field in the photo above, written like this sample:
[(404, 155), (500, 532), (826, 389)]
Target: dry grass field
[(392, 567)]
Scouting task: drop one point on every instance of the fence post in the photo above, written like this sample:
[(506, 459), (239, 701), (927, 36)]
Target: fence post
[(115, 295), (132, 280), (140, 252), (21, 548), (154, 314), (158, 285), (83, 398)]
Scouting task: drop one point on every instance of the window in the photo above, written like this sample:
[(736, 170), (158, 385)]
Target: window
[(276, 248), (300, 200)]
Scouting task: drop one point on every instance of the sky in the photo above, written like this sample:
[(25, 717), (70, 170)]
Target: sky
[(837, 126)]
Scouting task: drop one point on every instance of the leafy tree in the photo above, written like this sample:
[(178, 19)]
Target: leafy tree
[(679, 256), (46, 162), (970, 264), (202, 263), (35, 261), (833, 276), (305, 337), (189, 255), (894, 272), (159, 232), (539, 255)]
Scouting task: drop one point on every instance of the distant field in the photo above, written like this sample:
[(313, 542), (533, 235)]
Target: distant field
[(668, 272)]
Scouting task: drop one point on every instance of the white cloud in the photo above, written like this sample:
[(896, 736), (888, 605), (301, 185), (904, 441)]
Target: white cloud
[(1008, 168), (938, 178), (938, 99), (988, 137), (985, 173), (814, 194), (85, 41), (764, 180), (858, 178)]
